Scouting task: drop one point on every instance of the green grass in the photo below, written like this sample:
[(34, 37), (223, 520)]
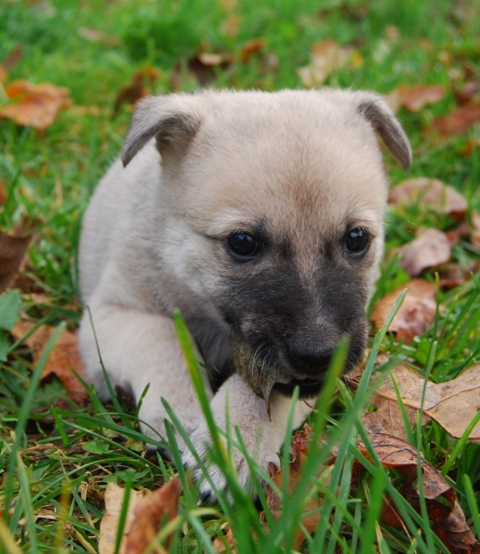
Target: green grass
[(59, 460)]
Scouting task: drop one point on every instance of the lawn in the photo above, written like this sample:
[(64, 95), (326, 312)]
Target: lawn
[(58, 453)]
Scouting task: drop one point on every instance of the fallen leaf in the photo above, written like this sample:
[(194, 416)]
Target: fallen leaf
[(225, 542), (415, 98), (12, 253), (442, 506), (231, 25), (459, 121), (429, 249), (202, 66), (137, 88), (468, 92), (455, 533), (327, 56), (10, 62), (400, 455), (431, 194), (452, 404), (251, 47), (114, 496), (3, 192), (95, 35), (310, 522), (452, 274), (388, 418), (149, 514), (63, 356), (475, 238), (35, 105), (470, 146), (416, 314)]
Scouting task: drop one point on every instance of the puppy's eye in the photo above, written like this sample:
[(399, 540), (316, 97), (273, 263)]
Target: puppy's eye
[(244, 245), (356, 241)]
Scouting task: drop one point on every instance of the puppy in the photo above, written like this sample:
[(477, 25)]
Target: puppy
[(256, 212)]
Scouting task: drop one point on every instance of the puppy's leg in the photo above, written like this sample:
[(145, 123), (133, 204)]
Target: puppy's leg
[(140, 349), (263, 436)]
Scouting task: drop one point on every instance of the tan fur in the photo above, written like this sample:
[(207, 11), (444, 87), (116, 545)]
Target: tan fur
[(153, 239)]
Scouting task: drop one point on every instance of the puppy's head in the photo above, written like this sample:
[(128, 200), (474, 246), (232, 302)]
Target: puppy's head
[(275, 204)]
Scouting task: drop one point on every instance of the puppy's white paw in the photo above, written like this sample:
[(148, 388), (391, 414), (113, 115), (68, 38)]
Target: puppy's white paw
[(261, 436), (215, 481)]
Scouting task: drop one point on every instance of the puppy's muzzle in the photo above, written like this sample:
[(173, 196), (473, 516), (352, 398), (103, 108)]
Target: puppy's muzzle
[(309, 370), (308, 362)]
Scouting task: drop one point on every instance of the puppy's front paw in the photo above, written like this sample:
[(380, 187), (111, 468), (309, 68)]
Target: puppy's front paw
[(209, 466), (261, 437)]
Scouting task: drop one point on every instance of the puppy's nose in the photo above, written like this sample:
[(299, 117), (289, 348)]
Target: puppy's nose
[(307, 361)]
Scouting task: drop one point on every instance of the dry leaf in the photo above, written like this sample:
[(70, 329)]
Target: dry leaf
[(468, 92), (3, 192), (310, 521), (452, 404), (113, 506), (251, 47), (459, 121), (388, 418), (430, 249), (443, 509), (326, 57), (416, 98), (475, 238), (10, 62), (455, 533), (94, 35), (416, 314), (452, 274), (12, 253), (227, 541), (149, 514), (137, 88), (63, 356), (35, 105), (431, 194)]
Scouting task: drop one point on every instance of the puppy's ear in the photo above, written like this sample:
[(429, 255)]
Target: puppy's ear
[(377, 111), (163, 117)]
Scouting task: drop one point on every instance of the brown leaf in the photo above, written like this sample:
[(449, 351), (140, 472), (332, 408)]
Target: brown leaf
[(452, 274), (310, 521), (150, 513), (416, 314), (202, 66), (400, 455), (452, 404), (63, 356), (430, 249), (459, 121), (227, 541), (388, 418), (251, 47), (3, 192), (114, 496), (415, 98), (10, 62), (94, 35), (468, 92), (475, 238), (327, 56), (12, 253), (455, 533), (431, 194), (137, 88), (35, 105)]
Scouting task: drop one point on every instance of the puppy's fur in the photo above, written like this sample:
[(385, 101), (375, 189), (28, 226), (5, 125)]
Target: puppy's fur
[(298, 172)]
